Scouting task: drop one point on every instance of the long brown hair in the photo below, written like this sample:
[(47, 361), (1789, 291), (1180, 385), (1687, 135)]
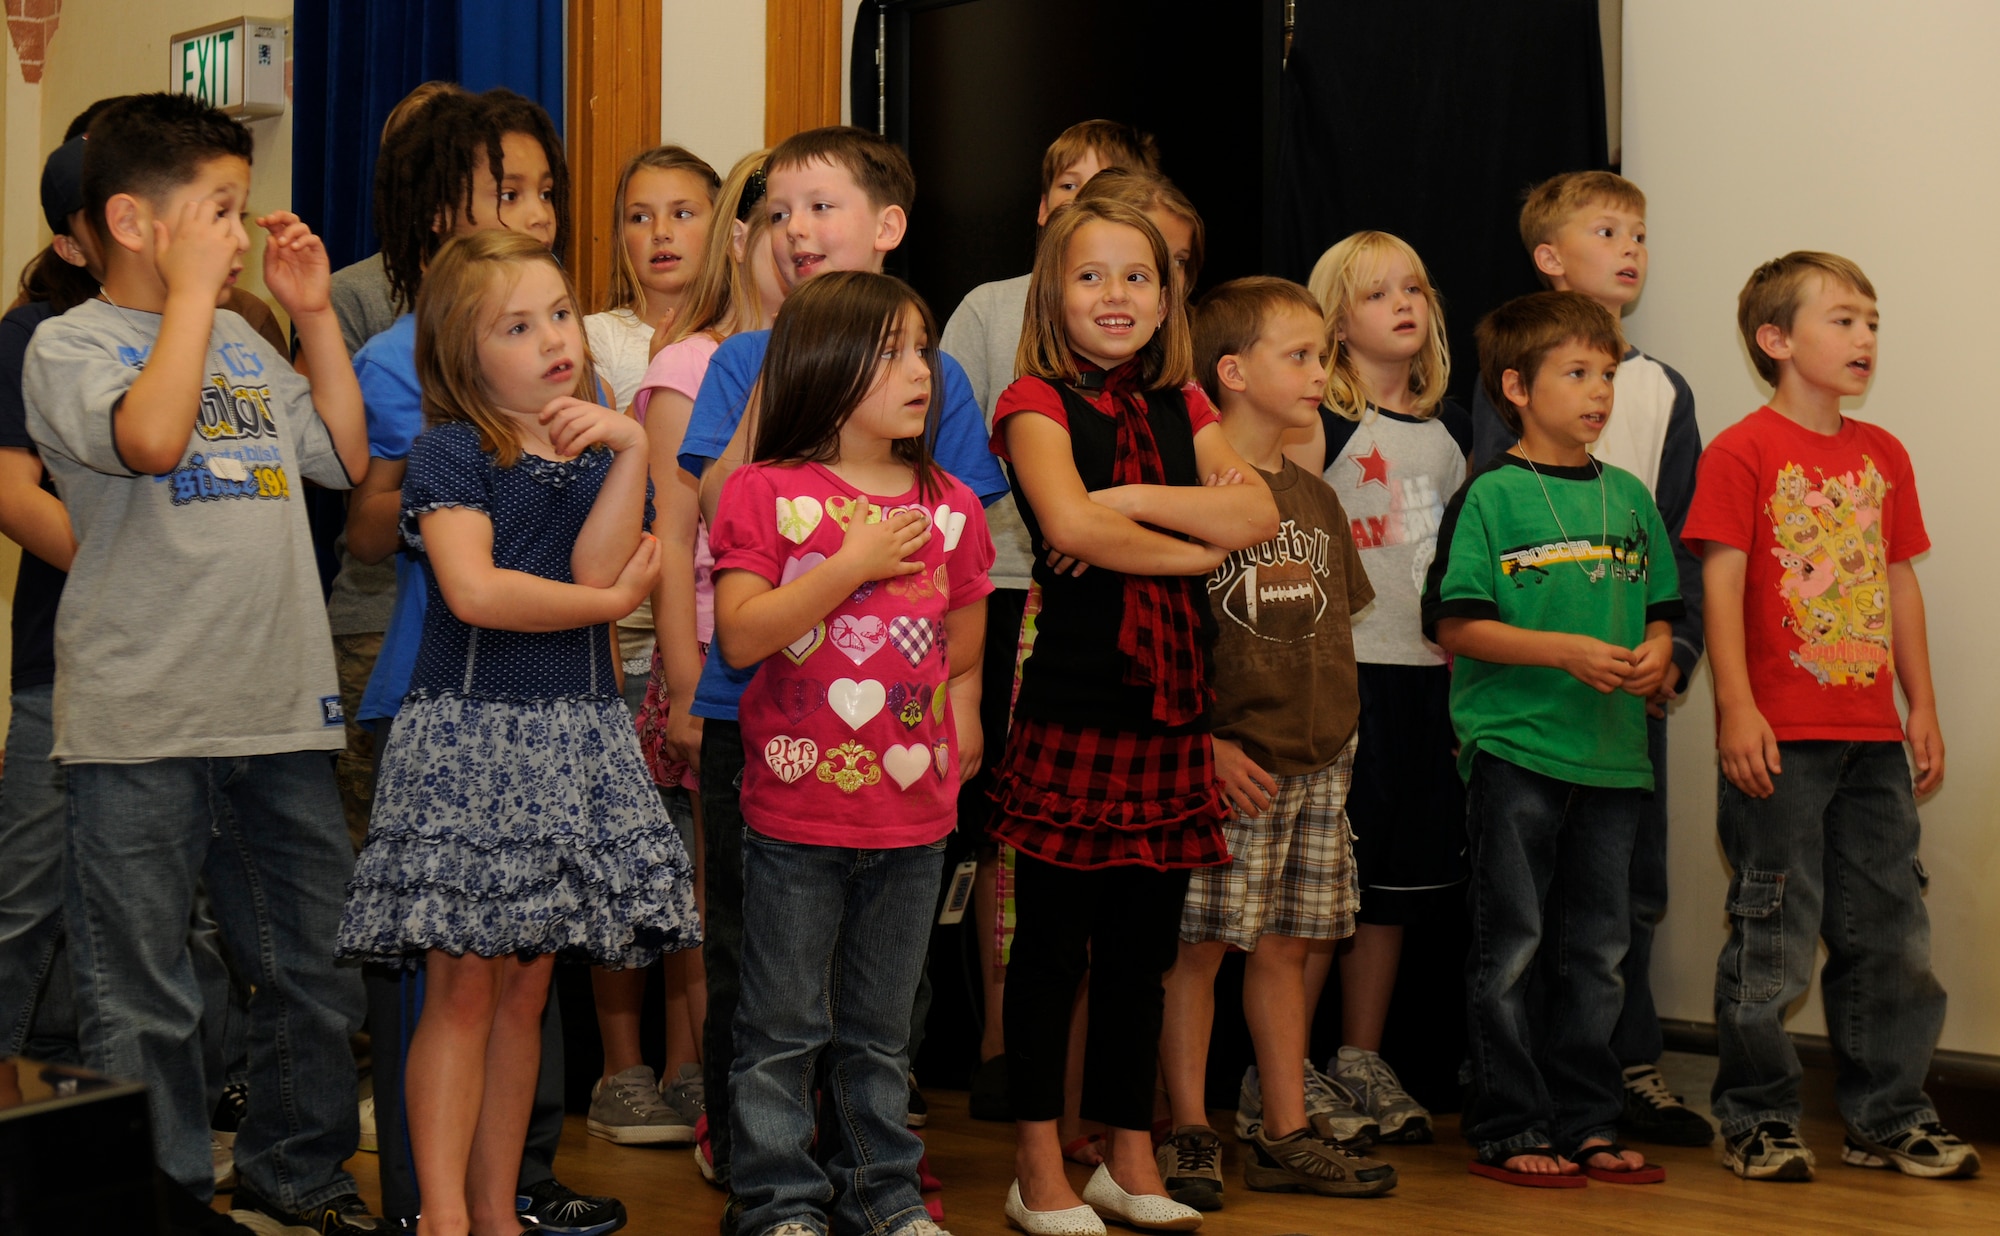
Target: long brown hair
[(1168, 357), (723, 298), (625, 291), (47, 277), (454, 308), (824, 359)]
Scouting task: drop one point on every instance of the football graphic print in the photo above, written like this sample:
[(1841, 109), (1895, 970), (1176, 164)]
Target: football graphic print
[(1281, 601)]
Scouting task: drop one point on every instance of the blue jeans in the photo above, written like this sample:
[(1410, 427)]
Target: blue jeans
[(1550, 864), (1637, 1040), (37, 1016), (267, 836), (1831, 855), (830, 966)]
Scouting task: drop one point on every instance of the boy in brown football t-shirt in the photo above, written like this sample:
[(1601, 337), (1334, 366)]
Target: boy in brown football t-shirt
[(1286, 707)]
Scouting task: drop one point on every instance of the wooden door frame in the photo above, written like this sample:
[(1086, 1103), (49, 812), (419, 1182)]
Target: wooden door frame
[(613, 109), (802, 66)]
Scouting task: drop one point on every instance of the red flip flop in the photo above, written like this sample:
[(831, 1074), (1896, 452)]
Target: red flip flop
[(1075, 1150), (1495, 1168), (1651, 1173)]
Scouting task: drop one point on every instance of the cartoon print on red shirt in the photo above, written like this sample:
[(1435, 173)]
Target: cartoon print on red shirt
[(1835, 581)]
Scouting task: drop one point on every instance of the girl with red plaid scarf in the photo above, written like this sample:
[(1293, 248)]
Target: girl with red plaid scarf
[(1107, 790)]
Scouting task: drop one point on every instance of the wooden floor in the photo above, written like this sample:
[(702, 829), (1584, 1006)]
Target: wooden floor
[(665, 1194)]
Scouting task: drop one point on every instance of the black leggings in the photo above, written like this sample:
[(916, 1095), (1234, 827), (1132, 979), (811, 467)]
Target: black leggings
[(1123, 925)]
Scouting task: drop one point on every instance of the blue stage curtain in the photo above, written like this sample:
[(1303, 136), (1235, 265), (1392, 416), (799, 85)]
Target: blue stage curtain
[(354, 60)]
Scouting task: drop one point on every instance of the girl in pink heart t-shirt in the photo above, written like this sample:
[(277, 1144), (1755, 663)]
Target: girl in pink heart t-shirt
[(852, 572)]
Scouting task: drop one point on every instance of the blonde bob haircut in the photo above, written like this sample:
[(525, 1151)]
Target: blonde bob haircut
[(1775, 291), (723, 299), (1340, 277), (1168, 357), (624, 290), (456, 306)]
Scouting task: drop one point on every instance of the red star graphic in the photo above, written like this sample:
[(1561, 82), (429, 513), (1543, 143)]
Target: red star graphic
[(1373, 467)]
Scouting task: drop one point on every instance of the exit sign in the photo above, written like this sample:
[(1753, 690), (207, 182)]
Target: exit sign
[(237, 67)]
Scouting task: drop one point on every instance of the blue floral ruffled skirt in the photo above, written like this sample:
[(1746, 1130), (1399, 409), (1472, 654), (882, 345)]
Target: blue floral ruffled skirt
[(518, 828)]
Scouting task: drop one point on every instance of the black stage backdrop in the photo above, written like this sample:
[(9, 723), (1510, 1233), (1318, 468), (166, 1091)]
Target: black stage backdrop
[(1426, 118)]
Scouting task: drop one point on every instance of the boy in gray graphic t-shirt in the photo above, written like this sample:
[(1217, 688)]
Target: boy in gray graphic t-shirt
[(195, 699)]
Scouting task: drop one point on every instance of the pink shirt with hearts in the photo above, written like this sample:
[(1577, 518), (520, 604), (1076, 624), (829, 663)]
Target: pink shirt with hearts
[(847, 734)]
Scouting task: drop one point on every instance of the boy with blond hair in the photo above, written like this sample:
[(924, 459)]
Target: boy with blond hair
[(1286, 710), (1553, 589), (1586, 232), (1807, 522)]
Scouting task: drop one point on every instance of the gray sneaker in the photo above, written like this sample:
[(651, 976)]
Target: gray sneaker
[(626, 1108), (1190, 1165), (1303, 1161), (686, 1094), (1332, 1111), (1381, 1095)]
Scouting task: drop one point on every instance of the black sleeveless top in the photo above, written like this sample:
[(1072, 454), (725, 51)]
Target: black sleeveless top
[(1075, 675)]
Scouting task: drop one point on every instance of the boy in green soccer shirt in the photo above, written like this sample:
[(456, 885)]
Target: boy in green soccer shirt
[(1553, 586)]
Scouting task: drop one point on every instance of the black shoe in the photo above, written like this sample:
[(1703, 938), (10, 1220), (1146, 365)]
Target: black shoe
[(732, 1215), (1655, 1114), (559, 1209), (989, 1091), (919, 1113), (346, 1215)]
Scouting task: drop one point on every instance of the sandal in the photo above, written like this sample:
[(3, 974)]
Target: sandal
[(1493, 1166), (1087, 1151), (1650, 1173)]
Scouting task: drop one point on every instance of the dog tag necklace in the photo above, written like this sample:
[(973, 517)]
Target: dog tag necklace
[(1593, 574)]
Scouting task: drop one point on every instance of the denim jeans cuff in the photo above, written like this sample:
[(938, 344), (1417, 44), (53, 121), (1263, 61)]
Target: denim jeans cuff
[(1737, 1126), (1608, 1133), (900, 1221), (1926, 1116), (341, 1185), (1529, 1139)]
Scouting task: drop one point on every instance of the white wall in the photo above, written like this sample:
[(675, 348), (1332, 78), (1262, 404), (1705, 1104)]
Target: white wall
[(1761, 126), (712, 78)]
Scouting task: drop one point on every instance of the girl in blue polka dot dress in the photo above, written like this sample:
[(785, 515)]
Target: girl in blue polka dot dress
[(514, 819)]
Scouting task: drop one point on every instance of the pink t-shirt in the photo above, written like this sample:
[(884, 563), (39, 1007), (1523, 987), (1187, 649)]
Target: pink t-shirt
[(848, 737), (680, 367)]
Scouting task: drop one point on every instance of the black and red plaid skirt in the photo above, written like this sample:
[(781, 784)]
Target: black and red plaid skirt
[(1090, 798)]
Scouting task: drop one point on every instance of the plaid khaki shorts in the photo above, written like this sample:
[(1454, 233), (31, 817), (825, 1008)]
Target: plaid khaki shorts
[(1293, 868)]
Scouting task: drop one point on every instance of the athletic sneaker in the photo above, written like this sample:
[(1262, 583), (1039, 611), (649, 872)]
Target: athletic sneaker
[(222, 1125), (1928, 1150), (1190, 1163), (628, 1109), (345, 1215), (1302, 1161), (704, 1152), (1655, 1114), (1331, 1109), (562, 1211), (1771, 1151), (921, 1227), (1380, 1094)]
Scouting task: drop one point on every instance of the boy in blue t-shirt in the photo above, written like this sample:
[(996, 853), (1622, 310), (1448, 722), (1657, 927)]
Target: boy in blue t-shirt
[(1554, 587)]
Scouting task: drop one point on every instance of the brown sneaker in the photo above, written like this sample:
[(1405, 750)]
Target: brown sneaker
[(1190, 1165), (1303, 1161)]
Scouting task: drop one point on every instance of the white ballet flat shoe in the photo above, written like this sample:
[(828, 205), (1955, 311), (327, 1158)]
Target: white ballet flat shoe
[(1157, 1214), (1076, 1221)]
